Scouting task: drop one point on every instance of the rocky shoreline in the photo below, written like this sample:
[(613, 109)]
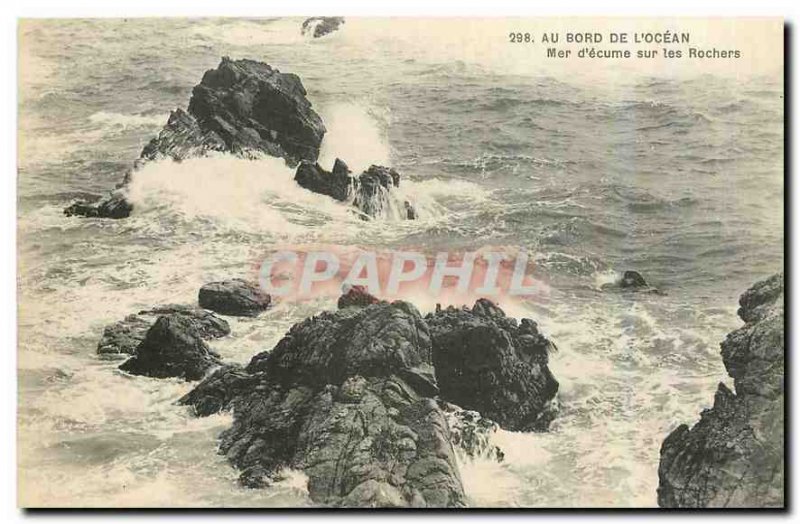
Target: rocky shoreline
[(734, 456), (354, 397)]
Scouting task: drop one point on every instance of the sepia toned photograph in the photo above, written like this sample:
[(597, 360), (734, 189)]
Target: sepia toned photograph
[(400, 262)]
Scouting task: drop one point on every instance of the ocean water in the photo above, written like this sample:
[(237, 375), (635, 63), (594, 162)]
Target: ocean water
[(680, 178)]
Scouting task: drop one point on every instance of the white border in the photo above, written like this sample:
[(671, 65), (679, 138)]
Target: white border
[(99, 8)]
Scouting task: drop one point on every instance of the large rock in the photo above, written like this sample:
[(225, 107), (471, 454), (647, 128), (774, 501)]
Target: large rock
[(347, 397), (734, 456), (124, 336), (255, 108), (242, 107), (172, 347), (234, 297), (318, 26), (487, 362)]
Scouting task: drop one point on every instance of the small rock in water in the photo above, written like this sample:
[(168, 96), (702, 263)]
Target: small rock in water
[(124, 336), (321, 25), (234, 297), (632, 279), (114, 205), (172, 347)]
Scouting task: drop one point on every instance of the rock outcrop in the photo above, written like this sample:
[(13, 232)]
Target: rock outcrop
[(242, 107), (487, 362), (172, 347), (337, 184), (734, 456), (371, 193), (347, 397), (124, 336), (318, 26), (234, 297), (351, 398)]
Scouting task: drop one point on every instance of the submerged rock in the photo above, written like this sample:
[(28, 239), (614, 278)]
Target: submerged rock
[(319, 26), (242, 107), (124, 336), (234, 297), (345, 396), (734, 456), (487, 362), (172, 347)]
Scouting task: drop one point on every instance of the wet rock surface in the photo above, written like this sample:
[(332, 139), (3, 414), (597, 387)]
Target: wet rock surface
[(351, 398), (472, 434), (114, 205), (172, 347), (490, 363), (337, 184), (319, 26), (234, 297), (242, 107), (217, 391), (734, 456), (124, 336), (371, 193), (253, 107), (345, 396)]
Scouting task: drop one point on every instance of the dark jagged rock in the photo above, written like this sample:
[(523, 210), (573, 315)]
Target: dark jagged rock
[(115, 205), (242, 107), (321, 25), (487, 362), (234, 297), (356, 296), (632, 279), (124, 336), (217, 391), (337, 184), (172, 347), (255, 108), (346, 397), (180, 139), (370, 192), (734, 456), (472, 434)]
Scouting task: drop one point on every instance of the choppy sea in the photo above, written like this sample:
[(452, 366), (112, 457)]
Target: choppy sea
[(680, 179)]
